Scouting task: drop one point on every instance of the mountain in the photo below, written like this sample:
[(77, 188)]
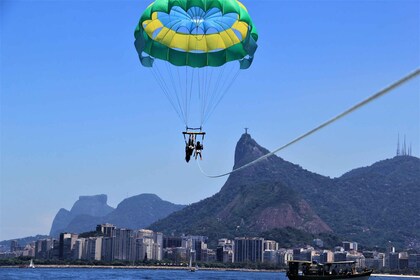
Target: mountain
[(282, 201), (135, 212), (92, 206), (373, 204), (140, 211), (254, 201), (385, 202)]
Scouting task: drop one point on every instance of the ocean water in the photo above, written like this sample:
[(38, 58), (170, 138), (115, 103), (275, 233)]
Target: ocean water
[(110, 274), (128, 274)]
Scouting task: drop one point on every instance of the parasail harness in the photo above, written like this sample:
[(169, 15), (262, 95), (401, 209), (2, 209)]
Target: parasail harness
[(190, 142)]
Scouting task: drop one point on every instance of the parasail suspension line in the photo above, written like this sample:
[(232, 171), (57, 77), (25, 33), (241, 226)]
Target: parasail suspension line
[(334, 119)]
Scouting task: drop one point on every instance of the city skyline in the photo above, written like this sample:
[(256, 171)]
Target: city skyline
[(109, 243)]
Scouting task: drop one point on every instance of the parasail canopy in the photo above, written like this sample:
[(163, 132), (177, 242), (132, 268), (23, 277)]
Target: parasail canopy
[(195, 34)]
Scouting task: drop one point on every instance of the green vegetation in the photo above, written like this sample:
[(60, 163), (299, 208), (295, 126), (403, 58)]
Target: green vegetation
[(291, 237)]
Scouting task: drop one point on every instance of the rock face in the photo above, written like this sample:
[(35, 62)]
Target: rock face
[(135, 212), (270, 180), (61, 221), (93, 206)]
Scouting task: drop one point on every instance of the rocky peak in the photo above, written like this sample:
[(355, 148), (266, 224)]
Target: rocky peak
[(247, 150), (95, 205)]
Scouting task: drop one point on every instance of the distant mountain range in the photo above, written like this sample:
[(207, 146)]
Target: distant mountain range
[(277, 200), (135, 212)]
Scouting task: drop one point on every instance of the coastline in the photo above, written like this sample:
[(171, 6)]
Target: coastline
[(149, 267), (143, 267)]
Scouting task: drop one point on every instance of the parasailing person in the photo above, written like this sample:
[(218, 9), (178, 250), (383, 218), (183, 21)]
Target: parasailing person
[(195, 50)]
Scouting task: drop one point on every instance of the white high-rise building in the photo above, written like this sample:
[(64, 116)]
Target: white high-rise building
[(148, 245)]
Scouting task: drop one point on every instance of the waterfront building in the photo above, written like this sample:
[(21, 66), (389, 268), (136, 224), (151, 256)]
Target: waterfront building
[(284, 256), (158, 245), (195, 243), (338, 249), (414, 261), (29, 250), (248, 249), (393, 260), (144, 248), (270, 256), (108, 241), (326, 256), (370, 259), (55, 249), (67, 241), (359, 258), (271, 245), (224, 251), (108, 230), (93, 248), (176, 255), (172, 242), (296, 253), (78, 248), (340, 256), (390, 249), (108, 245), (316, 257), (304, 254), (199, 243), (374, 260), (380, 260), (309, 254), (350, 246), (44, 249), (124, 245), (148, 244), (208, 255), (403, 260)]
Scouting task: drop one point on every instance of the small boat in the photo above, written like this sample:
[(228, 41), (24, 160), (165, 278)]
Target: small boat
[(31, 264), (306, 270)]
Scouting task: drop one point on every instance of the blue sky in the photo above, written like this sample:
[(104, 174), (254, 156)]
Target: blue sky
[(81, 116)]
